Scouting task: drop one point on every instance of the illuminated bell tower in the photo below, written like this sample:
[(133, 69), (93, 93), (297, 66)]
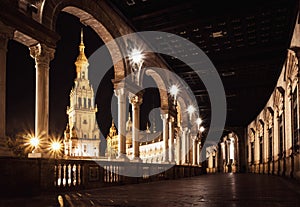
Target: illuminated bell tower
[(82, 135)]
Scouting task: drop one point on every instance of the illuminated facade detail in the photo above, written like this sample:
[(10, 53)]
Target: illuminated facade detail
[(150, 148), (112, 141), (82, 134), (279, 143), (224, 156)]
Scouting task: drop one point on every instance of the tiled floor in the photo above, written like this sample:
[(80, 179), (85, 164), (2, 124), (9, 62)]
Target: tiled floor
[(206, 190)]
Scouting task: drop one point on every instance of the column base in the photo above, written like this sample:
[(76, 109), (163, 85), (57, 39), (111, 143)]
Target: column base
[(136, 159), (122, 157), (35, 155)]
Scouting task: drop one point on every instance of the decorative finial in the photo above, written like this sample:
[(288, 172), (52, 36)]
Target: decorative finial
[(81, 36), (147, 128)]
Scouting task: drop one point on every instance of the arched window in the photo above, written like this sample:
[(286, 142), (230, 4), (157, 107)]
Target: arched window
[(295, 126), (281, 135), (270, 133), (252, 152)]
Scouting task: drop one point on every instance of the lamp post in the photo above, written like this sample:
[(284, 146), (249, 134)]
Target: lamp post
[(34, 142), (174, 90), (136, 58), (55, 148), (190, 110)]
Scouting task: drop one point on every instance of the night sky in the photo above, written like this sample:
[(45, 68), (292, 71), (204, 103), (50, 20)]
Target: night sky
[(21, 82)]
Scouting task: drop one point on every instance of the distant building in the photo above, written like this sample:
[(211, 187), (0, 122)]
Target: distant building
[(82, 134), (151, 143)]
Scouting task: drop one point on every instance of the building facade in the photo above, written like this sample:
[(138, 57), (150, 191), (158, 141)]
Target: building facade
[(273, 137), (82, 134)]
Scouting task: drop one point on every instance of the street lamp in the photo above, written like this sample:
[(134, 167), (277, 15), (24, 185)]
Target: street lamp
[(198, 122), (136, 58), (55, 147), (202, 129), (174, 90), (34, 142), (191, 110)]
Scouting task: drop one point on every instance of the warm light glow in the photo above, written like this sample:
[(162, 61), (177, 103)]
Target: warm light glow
[(34, 141), (198, 121), (174, 90), (55, 146), (136, 56), (191, 109), (202, 129)]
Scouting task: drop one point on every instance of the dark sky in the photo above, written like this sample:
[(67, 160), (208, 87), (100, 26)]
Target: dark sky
[(21, 81)]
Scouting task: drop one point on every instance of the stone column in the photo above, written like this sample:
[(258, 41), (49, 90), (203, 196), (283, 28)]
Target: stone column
[(178, 148), (199, 153), (135, 101), (6, 33), (42, 55), (194, 150), (188, 149), (165, 137), (121, 95), (171, 139), (183, 148)]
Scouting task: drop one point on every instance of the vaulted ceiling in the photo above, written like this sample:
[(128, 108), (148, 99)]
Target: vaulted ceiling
[(247, 42)]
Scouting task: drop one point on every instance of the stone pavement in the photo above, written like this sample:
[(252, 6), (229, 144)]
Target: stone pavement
[(205, 190)]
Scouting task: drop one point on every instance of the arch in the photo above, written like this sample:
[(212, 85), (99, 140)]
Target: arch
[(291, 69), (183, 106), (99, 16), (162, 87), (279, 100)]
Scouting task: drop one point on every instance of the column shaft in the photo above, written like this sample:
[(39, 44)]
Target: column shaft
[(183, 148), (194, 151), (136, 102), (42, 55), (6, 33), (120, 93), (165, 137), (171, 139)]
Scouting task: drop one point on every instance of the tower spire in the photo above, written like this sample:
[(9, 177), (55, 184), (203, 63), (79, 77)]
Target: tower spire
[(81, 37), (81, 61)]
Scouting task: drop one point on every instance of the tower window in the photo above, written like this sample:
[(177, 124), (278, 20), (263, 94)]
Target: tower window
[(85, 121), (79, 102), (82, 75), (89, 103)]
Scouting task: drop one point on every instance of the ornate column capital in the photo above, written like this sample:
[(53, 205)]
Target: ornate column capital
[(164, 116), (42, 54), (135, 100)]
